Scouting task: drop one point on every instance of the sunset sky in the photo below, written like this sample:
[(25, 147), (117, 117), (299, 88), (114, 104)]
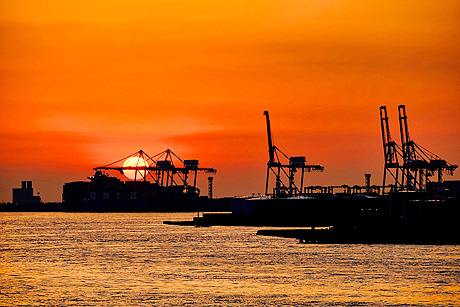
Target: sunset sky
[(85, 83)]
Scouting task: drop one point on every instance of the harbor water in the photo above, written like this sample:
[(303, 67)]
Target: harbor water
[(133, 259)]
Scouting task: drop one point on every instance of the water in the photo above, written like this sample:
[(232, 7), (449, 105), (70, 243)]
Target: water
[(116, 259)]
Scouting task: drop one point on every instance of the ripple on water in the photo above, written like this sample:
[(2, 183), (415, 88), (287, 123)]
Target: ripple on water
[(78, 259)]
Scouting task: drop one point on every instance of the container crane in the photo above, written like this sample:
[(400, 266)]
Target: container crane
[(285, 171), (391, 152), (418, 162), (160, 168)]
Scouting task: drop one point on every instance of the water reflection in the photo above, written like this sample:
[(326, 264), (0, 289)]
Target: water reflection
[(133, 259)]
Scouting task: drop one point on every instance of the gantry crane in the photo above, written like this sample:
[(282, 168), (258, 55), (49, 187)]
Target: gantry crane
[(410, 164), (419, 163), (391, 152), (161, 169), (283, 170)]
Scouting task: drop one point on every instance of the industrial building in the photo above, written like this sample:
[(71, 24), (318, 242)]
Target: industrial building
[(25, 194)]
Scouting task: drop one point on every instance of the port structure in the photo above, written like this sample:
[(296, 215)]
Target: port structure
[(419, 163), (161, 169), (392, 153), (284, 173), (410, 165)]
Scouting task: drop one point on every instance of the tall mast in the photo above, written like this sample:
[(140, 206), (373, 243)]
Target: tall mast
[(390, 150), (271, 150)]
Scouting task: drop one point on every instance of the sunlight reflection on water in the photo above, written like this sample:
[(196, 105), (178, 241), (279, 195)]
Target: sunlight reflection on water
[(77, 259)]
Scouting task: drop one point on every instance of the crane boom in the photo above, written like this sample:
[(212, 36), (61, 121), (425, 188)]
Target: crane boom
[(271, 150), (285, 170)]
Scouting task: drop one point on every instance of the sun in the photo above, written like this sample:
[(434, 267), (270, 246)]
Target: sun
[(135, 162)]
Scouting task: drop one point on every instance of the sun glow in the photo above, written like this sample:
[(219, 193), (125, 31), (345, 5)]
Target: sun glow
[(135, 173)]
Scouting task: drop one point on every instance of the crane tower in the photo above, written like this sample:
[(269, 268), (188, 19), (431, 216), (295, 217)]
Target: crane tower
[(284, 172), (410, 164), (392, 154)]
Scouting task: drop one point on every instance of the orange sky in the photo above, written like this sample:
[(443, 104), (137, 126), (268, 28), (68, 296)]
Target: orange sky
[(86, 83)]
